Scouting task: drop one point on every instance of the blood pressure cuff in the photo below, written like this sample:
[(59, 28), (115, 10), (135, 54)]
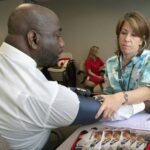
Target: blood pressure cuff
[(87, 110)]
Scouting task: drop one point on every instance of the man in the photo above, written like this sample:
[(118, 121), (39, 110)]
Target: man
[(30, 105)]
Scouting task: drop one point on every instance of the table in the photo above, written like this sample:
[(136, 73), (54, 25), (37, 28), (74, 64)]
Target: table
[(143, 125), (68, 143)]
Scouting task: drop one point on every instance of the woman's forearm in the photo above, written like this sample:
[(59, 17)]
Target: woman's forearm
[(135, 96)]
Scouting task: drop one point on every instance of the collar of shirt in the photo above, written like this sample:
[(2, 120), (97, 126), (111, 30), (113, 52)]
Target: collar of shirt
[(16, 54), (136, 58), (132, 62)]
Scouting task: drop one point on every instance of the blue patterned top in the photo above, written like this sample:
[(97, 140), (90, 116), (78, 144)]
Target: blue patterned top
[(136, 73)]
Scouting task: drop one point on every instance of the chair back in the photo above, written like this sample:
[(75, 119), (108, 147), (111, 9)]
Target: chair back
[(82, 72), (65, 71), (66, 55), (82, 67)]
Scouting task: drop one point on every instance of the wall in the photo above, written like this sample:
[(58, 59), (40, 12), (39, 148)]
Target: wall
[(92, 22), (6, 7), (84, 22)]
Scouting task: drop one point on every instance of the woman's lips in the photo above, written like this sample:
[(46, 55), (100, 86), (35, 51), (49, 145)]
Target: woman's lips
[(125, 46)]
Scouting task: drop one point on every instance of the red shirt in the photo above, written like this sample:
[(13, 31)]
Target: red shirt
[(94, 65)]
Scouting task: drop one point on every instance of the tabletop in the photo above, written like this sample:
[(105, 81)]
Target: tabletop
[(142, 126)]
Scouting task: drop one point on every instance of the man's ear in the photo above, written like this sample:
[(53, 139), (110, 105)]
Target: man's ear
[(33, 39)]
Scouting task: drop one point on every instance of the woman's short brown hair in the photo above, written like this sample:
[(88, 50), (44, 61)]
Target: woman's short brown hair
[(138, 23)]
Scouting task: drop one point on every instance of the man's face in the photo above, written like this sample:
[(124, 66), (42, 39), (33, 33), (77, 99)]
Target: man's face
[(51, 45)]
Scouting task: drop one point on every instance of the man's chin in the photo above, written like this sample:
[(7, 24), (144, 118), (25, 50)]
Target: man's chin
[(53, 64), (48, 65)]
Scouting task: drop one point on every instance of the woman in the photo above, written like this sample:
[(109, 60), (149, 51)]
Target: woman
[(93, 63), (128, 72)]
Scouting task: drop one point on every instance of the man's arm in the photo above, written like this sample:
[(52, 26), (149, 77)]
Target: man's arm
[(70, 108), (87, 110)]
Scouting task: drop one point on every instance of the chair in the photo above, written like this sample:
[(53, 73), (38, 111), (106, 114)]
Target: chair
[(64, 72), (82, 72)]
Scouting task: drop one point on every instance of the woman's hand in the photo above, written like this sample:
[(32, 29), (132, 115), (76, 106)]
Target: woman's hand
[(110, 105)]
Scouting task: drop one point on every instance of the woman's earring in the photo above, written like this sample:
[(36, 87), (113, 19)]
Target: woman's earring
[(145, 44)]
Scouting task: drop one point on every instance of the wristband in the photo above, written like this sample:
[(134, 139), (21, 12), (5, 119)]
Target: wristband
[(125, 96)]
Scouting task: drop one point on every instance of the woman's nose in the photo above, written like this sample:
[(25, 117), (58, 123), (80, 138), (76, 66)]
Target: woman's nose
[(128, 37)]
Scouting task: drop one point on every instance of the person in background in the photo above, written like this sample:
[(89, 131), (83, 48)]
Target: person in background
[(93, 64), (128, 72)]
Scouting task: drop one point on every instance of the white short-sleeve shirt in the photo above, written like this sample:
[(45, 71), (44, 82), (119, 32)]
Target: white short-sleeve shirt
[(30, 105)]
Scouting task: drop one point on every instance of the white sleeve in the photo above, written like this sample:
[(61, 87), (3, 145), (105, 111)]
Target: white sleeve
[(64, 108), (127, 111)]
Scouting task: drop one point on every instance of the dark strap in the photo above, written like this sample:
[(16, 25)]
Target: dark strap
[(87, 110)]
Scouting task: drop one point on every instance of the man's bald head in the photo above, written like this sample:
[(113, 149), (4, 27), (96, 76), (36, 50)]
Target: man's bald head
[(35, 30), (30, 16)]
